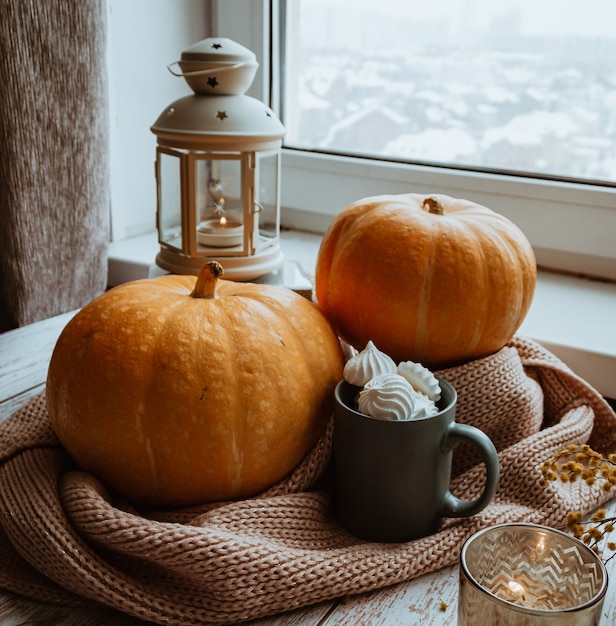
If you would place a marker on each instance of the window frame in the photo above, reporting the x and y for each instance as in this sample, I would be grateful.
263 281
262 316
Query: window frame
572 226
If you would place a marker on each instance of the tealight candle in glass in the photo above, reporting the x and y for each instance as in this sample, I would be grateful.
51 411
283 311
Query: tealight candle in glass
531 575
220 232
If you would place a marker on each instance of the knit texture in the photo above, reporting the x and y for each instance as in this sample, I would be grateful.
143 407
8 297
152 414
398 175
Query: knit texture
65 539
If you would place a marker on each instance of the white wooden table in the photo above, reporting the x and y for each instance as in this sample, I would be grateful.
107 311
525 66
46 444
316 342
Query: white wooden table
24 358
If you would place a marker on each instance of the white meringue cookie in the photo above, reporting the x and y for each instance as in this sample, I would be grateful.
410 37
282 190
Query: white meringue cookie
367 364
423 407
421 378
387 397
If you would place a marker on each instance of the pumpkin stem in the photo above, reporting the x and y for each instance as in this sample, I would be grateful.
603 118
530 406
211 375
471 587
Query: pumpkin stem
205 287
433 206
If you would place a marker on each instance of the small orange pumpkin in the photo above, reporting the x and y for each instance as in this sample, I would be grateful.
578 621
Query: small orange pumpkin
435 280
176 392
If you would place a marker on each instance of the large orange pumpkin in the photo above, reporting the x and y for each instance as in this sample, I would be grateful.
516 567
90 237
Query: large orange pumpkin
177 392
431 279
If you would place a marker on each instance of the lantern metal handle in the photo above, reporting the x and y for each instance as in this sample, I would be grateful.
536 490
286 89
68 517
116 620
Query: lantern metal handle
212 70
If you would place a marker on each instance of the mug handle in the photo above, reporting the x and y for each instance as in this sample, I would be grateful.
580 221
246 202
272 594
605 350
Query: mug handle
456 507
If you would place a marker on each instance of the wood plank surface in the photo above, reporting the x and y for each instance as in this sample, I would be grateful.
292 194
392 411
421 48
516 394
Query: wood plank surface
430 600
25 354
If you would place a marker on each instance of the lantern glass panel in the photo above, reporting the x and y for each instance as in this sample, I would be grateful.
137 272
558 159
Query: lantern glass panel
219 205
267 197
169 199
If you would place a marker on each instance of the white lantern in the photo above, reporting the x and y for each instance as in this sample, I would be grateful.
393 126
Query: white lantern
218 168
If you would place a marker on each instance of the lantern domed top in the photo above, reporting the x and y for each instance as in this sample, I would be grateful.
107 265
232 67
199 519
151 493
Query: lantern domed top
218 116
226 122
217 66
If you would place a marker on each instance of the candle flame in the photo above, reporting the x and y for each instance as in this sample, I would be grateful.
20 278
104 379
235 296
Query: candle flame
223 221
516 588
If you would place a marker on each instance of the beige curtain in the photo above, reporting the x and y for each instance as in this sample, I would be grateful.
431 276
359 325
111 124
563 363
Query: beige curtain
54 171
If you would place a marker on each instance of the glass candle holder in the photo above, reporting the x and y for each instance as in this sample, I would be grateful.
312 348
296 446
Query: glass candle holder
525 574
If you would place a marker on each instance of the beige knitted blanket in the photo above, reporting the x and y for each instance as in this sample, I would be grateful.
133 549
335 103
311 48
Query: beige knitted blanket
64 538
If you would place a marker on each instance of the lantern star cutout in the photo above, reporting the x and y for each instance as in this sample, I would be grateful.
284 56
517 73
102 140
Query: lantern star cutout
216 46
221 115
212 82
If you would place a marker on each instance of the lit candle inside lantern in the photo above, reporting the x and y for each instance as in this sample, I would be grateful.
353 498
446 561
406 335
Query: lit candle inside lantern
220 233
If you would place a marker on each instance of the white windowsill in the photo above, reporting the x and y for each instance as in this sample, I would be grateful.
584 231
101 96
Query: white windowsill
573 317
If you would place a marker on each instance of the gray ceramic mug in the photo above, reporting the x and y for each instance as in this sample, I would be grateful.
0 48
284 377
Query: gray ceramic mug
391 480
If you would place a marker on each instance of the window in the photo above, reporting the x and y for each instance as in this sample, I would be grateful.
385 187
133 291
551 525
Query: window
570 224
480 85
